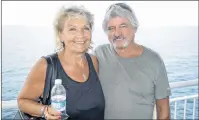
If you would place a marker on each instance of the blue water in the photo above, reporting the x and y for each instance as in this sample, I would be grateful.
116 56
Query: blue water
178 46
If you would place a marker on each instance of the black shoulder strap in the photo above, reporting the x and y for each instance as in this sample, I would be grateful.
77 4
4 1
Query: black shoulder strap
50 77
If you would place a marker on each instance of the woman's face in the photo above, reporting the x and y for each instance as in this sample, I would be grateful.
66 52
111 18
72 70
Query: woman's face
76 34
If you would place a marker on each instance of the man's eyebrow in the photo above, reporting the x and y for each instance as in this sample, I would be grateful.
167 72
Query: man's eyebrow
120 24
124 24
111 26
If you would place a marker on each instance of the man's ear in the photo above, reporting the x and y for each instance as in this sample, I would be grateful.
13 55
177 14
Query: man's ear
134 30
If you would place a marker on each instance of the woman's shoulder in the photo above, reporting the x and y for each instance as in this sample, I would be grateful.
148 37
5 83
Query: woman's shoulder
93 57
95 61
42 62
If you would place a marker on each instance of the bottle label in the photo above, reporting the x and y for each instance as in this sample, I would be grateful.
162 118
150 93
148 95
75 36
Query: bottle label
59 103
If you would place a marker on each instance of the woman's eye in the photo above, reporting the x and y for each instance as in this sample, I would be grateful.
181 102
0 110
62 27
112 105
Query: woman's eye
86 28
72 29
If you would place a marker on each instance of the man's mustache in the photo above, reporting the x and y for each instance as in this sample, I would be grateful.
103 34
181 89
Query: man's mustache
118 37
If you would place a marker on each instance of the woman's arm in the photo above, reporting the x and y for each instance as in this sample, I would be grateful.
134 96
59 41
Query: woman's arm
33 89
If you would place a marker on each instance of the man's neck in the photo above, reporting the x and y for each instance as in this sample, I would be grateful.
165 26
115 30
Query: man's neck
133 50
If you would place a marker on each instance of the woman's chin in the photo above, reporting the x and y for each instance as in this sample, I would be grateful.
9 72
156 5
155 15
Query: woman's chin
80 50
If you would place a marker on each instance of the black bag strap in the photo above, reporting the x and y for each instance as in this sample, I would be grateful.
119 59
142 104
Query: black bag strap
51 74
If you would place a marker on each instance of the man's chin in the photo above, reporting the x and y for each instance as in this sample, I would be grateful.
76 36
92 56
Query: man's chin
120 46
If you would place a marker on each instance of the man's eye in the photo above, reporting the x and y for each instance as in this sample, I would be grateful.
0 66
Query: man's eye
110 28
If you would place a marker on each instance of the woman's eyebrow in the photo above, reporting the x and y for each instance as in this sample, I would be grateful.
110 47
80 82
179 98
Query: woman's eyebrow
82 26
71 25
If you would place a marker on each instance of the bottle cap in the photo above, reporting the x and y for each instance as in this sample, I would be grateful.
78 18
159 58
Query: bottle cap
58 82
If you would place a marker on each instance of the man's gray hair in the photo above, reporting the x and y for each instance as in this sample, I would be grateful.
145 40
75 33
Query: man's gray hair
120 10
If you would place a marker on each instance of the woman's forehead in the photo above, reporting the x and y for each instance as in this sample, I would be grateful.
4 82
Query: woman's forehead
76 21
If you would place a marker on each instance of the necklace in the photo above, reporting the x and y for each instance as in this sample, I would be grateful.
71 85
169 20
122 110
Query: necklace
83 75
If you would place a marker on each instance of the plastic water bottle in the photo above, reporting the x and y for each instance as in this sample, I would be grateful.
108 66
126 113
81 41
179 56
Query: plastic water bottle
58 98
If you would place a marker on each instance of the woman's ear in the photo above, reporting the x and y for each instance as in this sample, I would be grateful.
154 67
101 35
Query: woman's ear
61 36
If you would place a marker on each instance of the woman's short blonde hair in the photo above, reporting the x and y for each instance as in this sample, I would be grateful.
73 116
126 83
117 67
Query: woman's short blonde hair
67 12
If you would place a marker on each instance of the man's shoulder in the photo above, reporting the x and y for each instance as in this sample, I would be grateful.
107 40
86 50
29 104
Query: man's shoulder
102 47
103 52
152 55
151 52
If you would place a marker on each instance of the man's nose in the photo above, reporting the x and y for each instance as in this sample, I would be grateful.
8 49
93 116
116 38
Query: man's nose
117 32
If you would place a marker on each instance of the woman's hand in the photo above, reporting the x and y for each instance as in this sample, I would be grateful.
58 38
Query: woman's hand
52 114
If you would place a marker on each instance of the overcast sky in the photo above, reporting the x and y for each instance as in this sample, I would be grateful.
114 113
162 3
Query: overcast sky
149 13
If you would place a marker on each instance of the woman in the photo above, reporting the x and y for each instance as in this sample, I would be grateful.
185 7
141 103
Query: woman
77 69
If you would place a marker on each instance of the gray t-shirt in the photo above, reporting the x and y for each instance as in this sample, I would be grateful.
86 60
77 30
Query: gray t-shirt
131 85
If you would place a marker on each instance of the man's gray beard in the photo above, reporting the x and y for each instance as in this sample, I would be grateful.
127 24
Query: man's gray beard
125 45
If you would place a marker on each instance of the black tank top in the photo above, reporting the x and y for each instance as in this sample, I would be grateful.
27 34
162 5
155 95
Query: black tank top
85 100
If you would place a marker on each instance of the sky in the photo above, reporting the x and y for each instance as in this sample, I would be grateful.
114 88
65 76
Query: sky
149 13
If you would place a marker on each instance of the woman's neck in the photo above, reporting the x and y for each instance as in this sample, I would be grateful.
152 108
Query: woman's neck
72 58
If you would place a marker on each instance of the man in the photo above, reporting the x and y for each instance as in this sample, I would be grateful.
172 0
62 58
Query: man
133 77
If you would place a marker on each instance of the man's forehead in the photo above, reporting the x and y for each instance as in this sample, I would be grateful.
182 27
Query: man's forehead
118 20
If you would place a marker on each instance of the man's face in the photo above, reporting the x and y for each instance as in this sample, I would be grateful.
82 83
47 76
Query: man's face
120 32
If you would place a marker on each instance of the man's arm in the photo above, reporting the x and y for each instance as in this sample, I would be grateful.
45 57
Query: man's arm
162 93
163 109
